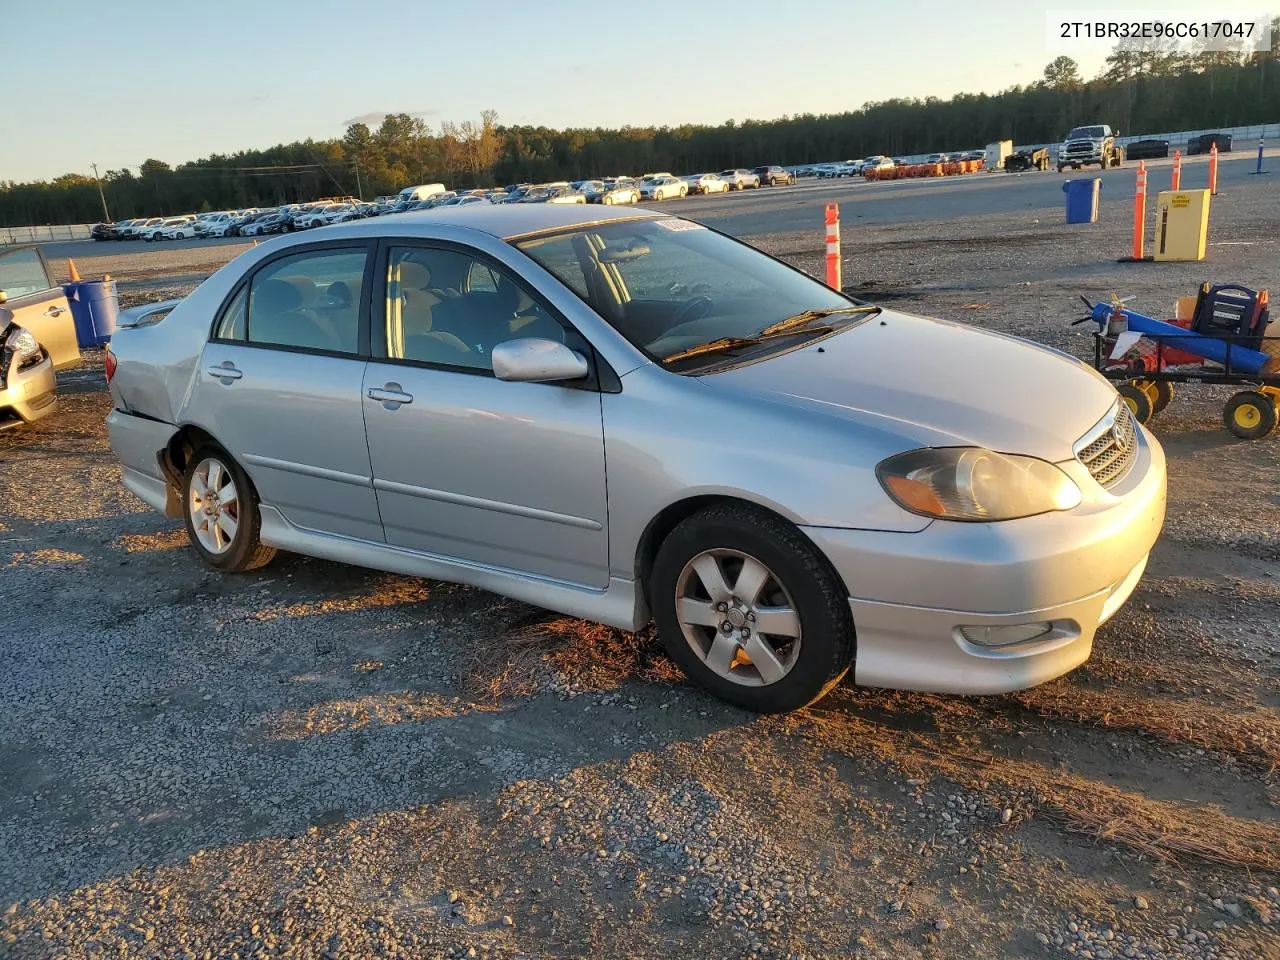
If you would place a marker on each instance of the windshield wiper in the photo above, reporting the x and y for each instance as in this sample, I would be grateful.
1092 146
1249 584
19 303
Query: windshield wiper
782 328
808 316
733 343
714 346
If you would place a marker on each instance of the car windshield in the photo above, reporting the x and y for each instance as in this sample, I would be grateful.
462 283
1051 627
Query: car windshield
1090 132
671 286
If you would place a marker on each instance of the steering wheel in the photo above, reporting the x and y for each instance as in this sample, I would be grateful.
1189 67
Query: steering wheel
695 308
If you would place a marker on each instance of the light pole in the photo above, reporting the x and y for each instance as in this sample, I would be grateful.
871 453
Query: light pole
106 217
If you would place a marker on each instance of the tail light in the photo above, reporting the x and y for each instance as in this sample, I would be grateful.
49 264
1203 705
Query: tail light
109 364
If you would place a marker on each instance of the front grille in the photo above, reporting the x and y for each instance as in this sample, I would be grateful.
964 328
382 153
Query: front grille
1110 448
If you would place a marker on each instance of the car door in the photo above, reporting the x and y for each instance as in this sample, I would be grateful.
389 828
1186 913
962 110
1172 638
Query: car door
279 386
466 466
39 304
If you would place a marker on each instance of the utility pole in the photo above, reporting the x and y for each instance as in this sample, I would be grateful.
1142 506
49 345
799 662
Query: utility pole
106 217
359 188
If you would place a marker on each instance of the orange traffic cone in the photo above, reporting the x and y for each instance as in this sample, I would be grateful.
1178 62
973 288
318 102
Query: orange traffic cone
72 271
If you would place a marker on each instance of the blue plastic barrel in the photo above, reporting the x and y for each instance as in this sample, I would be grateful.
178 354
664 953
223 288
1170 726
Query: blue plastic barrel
94 309
1082 200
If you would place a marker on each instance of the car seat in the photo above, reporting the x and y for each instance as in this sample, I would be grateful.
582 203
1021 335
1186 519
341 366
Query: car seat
525 318
277 315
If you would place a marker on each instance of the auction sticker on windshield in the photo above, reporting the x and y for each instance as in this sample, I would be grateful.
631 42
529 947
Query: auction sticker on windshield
676 226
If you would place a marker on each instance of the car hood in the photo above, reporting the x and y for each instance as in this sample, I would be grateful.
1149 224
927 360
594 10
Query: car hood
937 383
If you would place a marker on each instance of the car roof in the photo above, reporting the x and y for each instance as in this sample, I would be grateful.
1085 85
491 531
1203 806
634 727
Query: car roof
504 221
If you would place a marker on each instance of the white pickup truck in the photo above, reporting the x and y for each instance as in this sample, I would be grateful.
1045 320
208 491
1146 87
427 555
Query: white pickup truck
1091 144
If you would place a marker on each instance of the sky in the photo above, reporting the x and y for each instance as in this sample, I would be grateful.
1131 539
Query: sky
116 83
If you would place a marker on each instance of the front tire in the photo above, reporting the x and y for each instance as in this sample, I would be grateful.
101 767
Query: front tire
220 510
749 609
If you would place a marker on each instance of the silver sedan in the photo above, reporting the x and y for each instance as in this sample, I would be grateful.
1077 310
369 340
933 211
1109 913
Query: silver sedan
623 416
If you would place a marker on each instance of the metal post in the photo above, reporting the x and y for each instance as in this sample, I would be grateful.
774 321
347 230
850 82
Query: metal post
1213 169
833 246
1261 141
1175 184
106 217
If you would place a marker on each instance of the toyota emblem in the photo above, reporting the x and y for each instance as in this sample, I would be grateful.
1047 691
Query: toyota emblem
1120 437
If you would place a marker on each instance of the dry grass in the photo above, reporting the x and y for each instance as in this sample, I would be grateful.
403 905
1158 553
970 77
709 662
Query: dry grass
387 592
174 539
528 658
355 713
1252 736
1169 831
45 557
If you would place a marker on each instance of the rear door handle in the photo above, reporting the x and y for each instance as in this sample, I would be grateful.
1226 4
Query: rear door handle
226 372
54 311
390 395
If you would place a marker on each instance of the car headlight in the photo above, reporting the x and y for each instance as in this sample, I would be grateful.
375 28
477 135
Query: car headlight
22 346
972 484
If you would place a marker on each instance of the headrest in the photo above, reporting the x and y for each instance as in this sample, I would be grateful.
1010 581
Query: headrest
276 296
340 293
306 288
414 275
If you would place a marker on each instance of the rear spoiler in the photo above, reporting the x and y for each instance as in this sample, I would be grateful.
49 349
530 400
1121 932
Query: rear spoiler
146 314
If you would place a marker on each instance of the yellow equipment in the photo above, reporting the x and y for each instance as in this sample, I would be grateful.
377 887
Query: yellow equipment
1182 224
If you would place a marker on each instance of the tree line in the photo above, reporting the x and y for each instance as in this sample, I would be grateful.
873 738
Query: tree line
1148 88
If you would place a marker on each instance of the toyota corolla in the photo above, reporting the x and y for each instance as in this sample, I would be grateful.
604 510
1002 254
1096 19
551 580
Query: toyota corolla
626 416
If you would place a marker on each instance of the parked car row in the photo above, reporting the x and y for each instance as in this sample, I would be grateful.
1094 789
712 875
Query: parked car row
877 162
254 221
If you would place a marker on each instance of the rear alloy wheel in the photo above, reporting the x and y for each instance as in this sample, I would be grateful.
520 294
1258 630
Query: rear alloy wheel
221 513
749 609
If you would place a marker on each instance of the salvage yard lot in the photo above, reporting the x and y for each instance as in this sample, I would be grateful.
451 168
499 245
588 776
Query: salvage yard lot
317 760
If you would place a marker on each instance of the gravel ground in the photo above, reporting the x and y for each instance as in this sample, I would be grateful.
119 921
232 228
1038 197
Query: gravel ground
319 761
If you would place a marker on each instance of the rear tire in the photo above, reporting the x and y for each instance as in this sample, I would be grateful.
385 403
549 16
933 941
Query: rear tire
1250 415
792 589
220 511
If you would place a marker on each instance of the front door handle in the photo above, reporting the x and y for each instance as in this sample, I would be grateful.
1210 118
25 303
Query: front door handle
54 311
390 395
226 372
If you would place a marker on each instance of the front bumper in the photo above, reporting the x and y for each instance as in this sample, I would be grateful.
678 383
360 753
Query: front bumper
27 395
913 591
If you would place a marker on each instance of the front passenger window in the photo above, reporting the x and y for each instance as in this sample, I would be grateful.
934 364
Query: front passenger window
446 307
310 301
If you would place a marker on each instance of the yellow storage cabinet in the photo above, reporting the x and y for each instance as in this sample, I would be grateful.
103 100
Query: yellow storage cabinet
1182 224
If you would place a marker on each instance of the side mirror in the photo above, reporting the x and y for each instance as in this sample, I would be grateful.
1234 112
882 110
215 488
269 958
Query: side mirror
534 360
3 297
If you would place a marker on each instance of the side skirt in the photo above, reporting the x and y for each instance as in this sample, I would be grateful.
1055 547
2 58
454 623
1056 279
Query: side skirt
620 604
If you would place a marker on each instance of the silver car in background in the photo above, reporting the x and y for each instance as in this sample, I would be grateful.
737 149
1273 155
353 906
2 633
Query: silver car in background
622 416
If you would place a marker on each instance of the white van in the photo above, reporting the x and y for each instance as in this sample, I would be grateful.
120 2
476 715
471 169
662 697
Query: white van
421 192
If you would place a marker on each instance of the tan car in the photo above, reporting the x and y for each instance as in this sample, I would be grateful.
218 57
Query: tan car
37 336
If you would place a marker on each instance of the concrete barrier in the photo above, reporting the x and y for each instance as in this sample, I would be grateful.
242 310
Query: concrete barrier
46 234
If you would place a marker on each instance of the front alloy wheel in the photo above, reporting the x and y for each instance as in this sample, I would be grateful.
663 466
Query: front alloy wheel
738 618
749 608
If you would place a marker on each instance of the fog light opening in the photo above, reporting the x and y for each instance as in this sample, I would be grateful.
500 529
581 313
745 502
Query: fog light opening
1005 636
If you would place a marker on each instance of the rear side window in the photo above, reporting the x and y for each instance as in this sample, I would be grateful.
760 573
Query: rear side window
309 301
22 272
231 325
